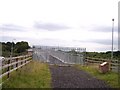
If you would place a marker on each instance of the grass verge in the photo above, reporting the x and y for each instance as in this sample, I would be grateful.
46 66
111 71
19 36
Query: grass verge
111 78
33 75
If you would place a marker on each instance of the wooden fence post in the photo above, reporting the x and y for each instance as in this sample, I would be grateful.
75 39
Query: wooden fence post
110 61
25 60
22 62
8 69
16 63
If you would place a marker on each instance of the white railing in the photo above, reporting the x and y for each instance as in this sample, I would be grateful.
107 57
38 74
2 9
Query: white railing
43 55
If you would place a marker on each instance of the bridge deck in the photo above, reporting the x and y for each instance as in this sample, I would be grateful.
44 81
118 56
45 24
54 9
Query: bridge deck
55 61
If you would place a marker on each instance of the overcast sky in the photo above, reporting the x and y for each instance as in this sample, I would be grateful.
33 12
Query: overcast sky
72 23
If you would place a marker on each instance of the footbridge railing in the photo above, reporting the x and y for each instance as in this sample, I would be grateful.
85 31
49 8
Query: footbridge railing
43 55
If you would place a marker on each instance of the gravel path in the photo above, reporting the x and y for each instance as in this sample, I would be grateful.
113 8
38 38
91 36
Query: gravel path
70 77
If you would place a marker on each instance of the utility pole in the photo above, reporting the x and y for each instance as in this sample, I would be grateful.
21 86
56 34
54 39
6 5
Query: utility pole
112 38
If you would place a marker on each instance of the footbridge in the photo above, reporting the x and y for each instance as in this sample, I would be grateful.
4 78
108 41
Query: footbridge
58 55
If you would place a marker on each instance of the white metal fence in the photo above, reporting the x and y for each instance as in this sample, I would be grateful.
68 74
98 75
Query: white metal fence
43 55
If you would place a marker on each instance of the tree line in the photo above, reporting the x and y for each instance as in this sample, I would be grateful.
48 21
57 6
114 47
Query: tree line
104 55
17 49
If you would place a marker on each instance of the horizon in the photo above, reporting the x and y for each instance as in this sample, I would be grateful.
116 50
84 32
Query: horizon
63 47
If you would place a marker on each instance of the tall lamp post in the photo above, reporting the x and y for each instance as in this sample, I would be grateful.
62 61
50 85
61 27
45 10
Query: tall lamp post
112 38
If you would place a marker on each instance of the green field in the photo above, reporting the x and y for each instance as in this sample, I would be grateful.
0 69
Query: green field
33 75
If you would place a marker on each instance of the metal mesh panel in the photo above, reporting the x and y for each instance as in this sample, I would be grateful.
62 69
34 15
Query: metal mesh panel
42 54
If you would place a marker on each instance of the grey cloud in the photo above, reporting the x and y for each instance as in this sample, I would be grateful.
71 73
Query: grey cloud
6 38
50 26
9 38
99 41
11 27
15 39
104 29
105 42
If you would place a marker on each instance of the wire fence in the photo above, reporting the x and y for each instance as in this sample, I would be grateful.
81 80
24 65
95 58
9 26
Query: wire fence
63 54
